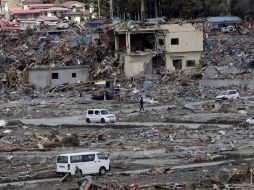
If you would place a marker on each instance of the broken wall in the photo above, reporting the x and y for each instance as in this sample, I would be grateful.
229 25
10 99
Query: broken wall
185 58
190 37
183 42
135 63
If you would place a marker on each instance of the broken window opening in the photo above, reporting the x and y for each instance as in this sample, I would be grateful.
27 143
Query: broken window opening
158 61
161 42
190 63
156 65
54 75
142 42
177 63
74 75
122 42
174 41
107 84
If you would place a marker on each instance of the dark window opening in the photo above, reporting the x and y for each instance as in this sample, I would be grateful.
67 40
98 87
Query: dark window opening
122 42
177 64
232 92
88 158
175 41
82 158
74 75
54 75
62 159
107 84
90 112
75 159
190 63
156 65
142 42
161 42
102 156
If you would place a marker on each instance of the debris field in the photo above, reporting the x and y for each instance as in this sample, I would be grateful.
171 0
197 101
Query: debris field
183 140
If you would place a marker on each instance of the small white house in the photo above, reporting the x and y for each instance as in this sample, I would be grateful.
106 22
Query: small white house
43 77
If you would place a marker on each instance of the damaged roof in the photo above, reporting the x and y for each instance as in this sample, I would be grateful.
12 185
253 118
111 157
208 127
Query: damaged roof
70 4
224 19
21 11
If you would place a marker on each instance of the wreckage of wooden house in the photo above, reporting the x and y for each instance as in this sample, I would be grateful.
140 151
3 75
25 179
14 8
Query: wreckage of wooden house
163 47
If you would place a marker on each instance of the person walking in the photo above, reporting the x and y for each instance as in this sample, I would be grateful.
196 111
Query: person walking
141 102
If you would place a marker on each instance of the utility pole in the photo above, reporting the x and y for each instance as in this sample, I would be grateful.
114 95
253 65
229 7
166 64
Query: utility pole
99 9
111 11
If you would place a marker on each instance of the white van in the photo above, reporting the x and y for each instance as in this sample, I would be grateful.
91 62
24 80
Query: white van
100 115
83 163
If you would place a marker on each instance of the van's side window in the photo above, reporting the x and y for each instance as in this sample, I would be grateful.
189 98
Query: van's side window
102 156
75 159
88 158
97 112
90 112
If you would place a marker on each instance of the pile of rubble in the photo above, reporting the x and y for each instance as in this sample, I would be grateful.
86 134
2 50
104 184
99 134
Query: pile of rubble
225 50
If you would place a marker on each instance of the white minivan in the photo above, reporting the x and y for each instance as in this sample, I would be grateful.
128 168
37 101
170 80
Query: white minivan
83 163
100 115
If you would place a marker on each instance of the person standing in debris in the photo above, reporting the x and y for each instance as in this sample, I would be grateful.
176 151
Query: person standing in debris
141 102
104 95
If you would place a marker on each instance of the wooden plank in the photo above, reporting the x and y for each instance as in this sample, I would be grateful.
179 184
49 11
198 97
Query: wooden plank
88 185
64 177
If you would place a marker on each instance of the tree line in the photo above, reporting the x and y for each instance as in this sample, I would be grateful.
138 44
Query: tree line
131 9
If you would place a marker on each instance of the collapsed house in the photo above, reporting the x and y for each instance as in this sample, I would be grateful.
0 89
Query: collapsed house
164 47
109 52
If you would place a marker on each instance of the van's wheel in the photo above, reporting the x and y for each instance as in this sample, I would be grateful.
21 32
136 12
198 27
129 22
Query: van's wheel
103 120
78 172
102 171
88 120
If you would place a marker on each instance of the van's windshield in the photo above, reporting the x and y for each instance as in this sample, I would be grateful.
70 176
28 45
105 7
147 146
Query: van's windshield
62 159
104 112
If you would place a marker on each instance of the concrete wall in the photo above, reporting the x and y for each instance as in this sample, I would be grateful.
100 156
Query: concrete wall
42 78
190 37
135 64
227 83
74 18
184 57
190 47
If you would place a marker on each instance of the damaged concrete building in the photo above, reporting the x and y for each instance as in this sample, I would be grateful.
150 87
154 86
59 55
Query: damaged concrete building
43 77
169 46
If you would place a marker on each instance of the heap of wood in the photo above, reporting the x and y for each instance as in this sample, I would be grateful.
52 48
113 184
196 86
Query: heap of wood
182 76
45 141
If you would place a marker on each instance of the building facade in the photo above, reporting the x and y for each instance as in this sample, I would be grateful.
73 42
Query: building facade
44 77
167 46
